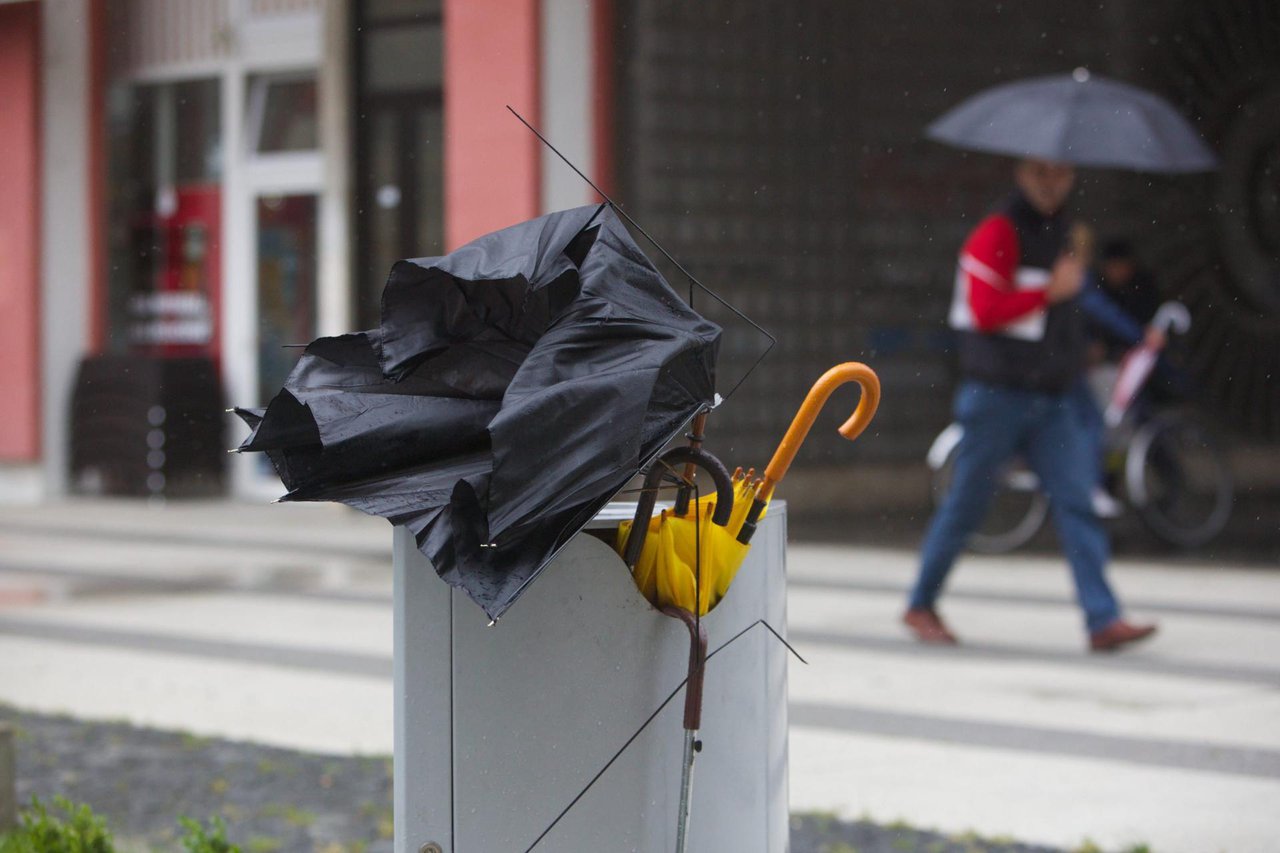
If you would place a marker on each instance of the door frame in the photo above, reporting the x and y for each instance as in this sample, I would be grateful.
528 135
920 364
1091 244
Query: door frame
249 177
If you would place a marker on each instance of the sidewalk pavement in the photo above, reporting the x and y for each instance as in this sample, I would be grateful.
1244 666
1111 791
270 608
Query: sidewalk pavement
273 624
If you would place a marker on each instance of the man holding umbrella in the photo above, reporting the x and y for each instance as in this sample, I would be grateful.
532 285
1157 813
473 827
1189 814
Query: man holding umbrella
1022 337
1022 343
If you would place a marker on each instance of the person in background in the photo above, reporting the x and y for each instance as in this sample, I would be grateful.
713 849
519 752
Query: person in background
1128 286
1022 349
1119 299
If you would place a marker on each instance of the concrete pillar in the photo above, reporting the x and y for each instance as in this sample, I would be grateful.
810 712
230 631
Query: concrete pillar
576 94
336 315
566 90
66 291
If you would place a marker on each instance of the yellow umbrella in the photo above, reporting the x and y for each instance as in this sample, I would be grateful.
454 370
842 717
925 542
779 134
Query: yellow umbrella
681 554
676 559
679 550
684 559
687 557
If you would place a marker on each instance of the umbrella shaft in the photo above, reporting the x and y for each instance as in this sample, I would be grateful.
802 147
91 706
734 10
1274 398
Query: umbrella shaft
686 788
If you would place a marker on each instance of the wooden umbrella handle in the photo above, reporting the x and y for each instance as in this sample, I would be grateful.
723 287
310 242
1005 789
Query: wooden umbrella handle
649 495
850 371
817 397
697 665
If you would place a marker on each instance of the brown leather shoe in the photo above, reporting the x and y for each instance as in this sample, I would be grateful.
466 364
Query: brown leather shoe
1119 634
928 627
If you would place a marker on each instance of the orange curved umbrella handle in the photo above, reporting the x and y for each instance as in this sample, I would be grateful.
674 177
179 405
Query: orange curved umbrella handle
850 371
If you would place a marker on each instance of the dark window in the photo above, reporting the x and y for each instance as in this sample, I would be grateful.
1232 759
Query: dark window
399 116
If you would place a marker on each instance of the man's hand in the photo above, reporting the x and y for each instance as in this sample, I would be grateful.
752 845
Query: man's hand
1154 338
1066 279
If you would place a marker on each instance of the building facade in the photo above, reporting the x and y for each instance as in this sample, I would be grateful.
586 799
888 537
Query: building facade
226 179
220 181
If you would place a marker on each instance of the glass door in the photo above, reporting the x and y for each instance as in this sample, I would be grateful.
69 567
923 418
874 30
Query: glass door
286 276
276 211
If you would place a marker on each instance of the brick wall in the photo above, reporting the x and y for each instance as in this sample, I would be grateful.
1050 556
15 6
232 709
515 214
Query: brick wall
776 150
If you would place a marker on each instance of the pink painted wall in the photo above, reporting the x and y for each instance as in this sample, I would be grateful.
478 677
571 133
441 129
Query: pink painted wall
491 161
20 231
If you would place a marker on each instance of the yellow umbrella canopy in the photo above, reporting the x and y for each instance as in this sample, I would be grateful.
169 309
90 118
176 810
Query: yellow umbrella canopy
687 560
678 553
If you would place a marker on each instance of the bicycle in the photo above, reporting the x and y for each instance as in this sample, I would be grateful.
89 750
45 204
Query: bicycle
1173 473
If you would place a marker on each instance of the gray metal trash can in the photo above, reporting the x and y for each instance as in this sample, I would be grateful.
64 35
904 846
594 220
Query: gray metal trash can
498 728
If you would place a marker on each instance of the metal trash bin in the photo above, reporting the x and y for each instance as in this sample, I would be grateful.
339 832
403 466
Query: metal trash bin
498 728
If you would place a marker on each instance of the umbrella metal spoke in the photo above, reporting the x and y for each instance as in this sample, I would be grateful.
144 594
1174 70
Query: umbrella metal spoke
688 275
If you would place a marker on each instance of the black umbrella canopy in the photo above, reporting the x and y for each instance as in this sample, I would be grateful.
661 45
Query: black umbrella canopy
1078 118
512 388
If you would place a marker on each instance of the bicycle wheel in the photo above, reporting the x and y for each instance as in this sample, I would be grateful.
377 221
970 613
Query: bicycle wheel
1178 481
1018 508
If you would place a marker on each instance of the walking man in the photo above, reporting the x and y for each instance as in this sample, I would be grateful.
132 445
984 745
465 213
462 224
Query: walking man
1022 351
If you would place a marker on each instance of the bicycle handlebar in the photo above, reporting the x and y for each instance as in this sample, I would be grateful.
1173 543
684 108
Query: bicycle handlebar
1172 316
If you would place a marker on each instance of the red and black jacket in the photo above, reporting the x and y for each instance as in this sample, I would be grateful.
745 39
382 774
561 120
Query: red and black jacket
1009 334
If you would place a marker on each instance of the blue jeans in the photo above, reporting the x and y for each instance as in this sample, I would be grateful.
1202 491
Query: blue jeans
999 423
1089 417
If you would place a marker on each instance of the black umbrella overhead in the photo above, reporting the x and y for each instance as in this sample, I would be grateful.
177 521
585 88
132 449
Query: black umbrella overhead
512 388
1078 118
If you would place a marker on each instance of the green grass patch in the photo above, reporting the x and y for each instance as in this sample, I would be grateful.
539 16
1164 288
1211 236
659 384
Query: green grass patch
67 828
